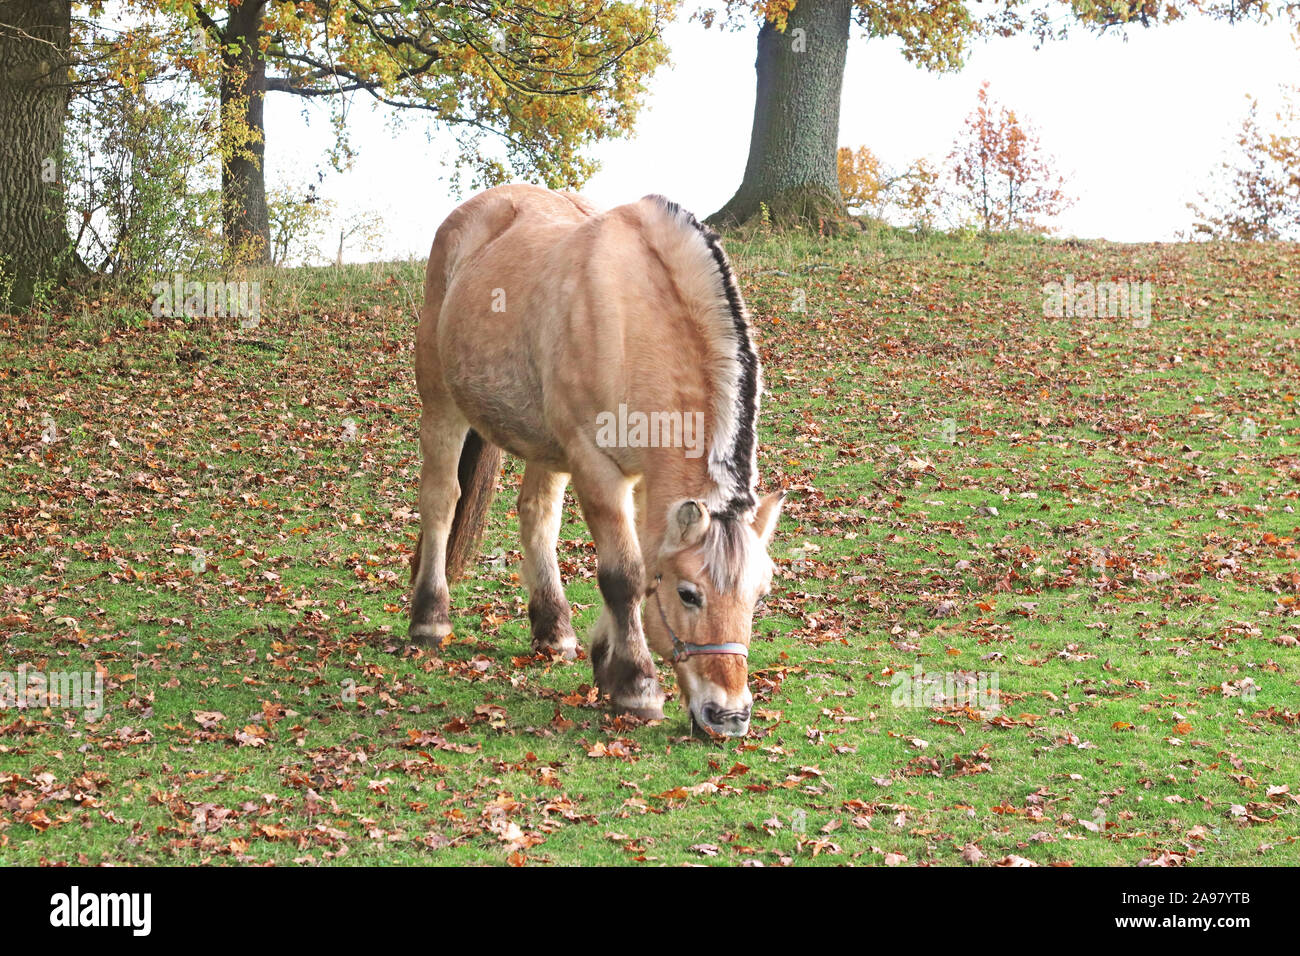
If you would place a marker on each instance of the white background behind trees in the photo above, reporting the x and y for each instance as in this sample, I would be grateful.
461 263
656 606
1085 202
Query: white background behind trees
1139 125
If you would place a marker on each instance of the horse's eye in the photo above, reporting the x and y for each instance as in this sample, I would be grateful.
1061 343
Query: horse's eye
690 597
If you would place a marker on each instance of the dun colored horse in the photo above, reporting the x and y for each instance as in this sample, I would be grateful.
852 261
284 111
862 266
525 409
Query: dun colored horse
613 349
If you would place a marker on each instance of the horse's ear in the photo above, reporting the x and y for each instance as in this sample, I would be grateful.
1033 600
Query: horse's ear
687 522
769 511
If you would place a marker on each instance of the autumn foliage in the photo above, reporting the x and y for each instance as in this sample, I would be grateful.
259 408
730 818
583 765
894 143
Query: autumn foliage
1002 173
861 181
522 91
913 194
997 176
1256 193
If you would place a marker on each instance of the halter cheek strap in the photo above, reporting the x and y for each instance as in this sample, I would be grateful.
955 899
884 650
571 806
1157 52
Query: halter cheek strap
684 649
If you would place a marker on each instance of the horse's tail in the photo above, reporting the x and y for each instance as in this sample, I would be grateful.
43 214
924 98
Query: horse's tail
480 463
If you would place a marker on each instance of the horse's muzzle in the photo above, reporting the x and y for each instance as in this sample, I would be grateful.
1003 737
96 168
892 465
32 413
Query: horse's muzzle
730 723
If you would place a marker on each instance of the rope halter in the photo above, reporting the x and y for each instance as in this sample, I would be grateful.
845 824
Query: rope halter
684 649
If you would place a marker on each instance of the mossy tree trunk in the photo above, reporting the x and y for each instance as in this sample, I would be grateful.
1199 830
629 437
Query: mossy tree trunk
245 218
34 89
792 147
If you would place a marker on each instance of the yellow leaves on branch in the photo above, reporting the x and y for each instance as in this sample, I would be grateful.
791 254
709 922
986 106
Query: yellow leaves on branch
545 79
868 186
776 12
861 184
933 34
936 34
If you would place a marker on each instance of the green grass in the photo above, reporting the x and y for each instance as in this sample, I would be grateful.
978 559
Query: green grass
1102 515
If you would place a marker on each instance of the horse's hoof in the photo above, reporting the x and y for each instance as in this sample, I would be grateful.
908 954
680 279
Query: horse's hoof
429 636
642 697
561 648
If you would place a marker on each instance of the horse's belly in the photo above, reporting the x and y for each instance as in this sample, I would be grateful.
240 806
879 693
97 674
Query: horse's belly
497 389
510 420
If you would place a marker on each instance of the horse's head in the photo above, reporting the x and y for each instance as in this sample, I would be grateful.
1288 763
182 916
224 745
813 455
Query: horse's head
710 573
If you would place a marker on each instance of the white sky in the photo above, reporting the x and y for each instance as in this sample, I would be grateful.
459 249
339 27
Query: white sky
1138 126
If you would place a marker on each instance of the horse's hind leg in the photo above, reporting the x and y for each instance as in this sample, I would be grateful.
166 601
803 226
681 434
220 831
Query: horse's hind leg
541 500
442 435
620 658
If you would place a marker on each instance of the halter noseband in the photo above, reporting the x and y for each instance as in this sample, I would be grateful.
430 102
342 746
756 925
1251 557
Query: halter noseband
684 649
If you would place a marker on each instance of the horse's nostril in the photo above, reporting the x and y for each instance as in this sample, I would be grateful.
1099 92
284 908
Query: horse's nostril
716 716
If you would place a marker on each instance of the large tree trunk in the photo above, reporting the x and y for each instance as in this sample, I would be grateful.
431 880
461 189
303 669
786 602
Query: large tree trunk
34 42
245 221
791 168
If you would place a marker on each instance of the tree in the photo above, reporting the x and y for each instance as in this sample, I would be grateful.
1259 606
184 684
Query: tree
864 183
802 46
1002 171
922 197
791 166
139 184
912 194
1257 193
543 82
35 38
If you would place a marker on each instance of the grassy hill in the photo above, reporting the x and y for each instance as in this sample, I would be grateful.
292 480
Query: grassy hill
1101 512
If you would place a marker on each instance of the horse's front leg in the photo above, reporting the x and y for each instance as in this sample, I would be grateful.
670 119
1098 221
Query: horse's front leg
620 658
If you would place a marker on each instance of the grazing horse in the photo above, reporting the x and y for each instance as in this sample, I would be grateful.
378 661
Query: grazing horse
588 344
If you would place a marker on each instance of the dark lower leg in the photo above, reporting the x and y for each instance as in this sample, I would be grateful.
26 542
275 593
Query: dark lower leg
620 659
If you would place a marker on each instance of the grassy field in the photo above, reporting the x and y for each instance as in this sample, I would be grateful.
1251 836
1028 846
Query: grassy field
1099 512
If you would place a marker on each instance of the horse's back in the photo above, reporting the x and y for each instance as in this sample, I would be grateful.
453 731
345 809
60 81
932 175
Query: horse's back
471 230
477 223
533 302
